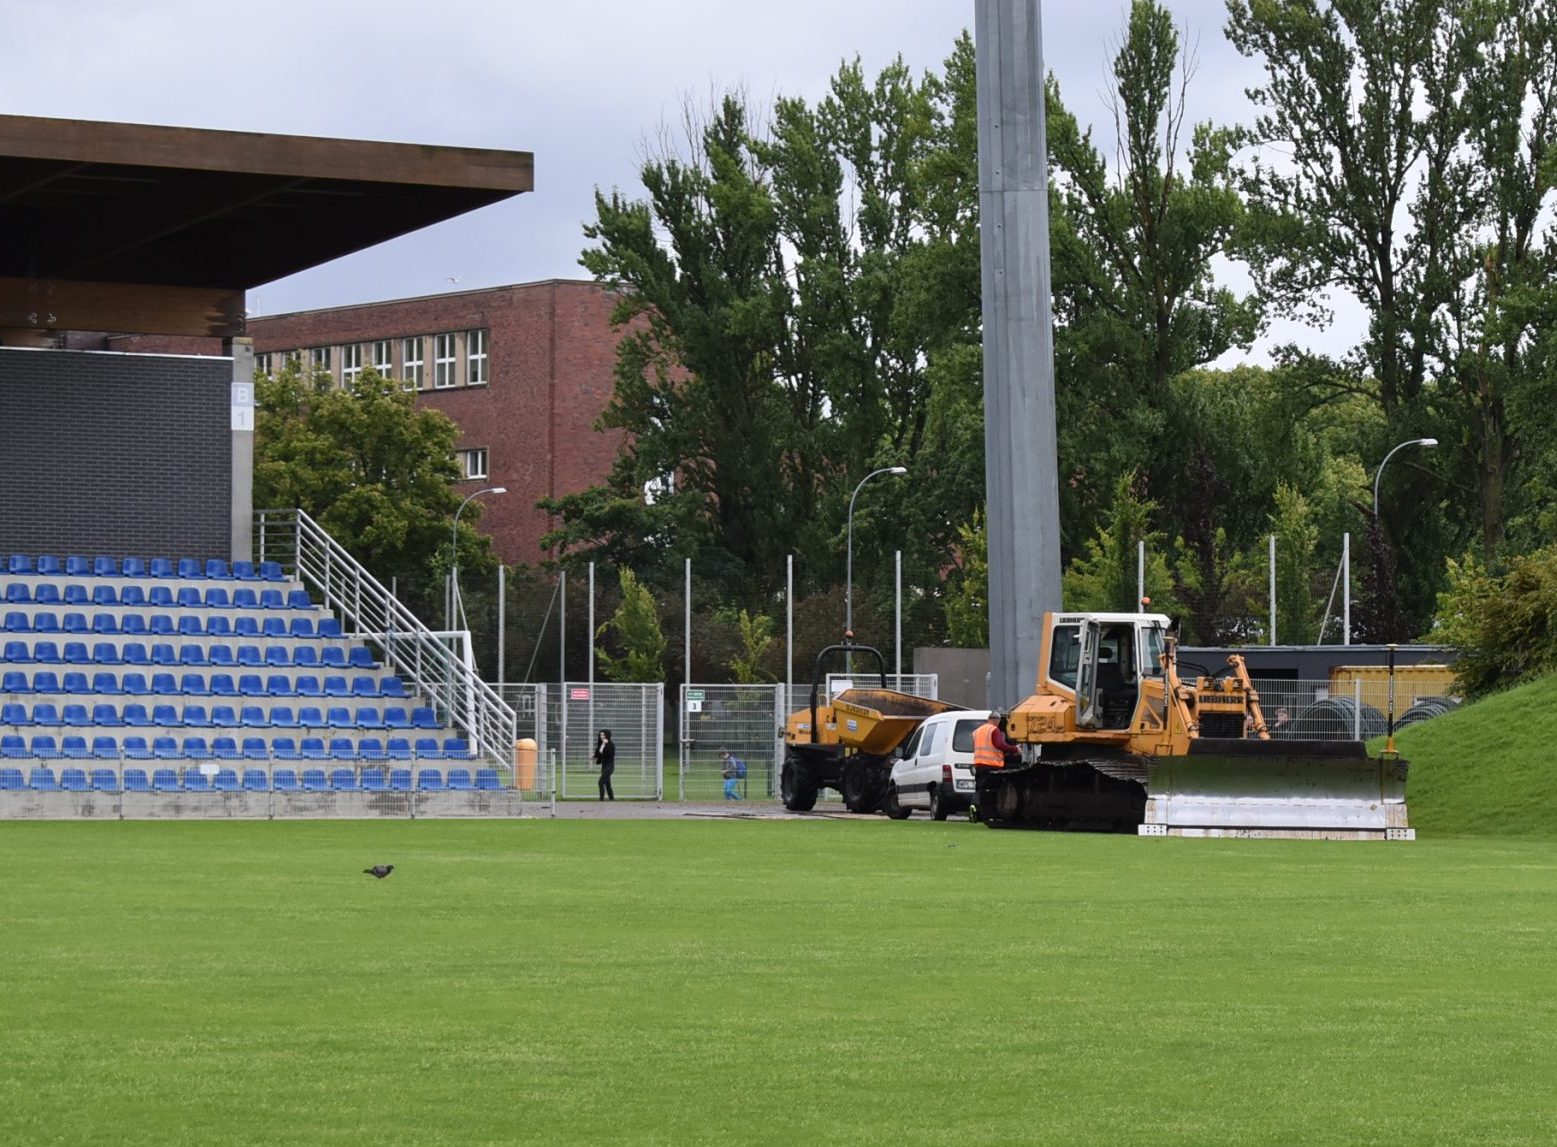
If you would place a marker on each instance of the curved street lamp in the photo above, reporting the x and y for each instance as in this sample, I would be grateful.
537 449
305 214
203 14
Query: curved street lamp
848 584
454 551
1380 475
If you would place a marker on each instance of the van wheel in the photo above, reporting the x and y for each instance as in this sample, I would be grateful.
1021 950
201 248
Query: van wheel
895 809
938 809
796 787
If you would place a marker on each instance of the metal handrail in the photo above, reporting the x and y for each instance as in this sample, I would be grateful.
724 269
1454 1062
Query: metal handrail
425 658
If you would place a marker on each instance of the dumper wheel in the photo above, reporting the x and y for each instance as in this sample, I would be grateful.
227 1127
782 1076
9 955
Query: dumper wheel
938 809
895 808
796 786
862 787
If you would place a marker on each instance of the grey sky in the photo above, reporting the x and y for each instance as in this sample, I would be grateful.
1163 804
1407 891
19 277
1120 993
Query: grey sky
583 85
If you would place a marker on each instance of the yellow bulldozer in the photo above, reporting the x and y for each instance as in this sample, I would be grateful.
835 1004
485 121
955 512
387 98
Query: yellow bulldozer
1113 739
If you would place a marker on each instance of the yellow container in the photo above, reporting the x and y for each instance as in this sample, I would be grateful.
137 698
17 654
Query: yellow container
1412 683
525 755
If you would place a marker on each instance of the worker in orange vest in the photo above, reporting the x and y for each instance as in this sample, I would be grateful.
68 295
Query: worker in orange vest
991 751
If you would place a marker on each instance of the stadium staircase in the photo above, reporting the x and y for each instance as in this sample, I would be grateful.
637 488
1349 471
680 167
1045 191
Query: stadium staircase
295 673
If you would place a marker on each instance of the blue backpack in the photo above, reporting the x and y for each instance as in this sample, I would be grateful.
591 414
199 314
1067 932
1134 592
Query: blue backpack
740 768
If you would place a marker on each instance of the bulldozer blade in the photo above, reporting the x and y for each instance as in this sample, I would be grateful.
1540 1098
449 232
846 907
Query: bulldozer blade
1305 789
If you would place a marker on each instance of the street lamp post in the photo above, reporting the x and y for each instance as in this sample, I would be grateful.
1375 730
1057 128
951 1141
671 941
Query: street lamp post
1380 475
848 584
454 552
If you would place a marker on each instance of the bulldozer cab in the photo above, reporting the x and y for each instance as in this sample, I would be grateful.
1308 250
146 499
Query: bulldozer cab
1106 656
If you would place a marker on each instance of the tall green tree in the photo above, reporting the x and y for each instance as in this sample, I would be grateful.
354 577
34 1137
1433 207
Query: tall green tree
634 633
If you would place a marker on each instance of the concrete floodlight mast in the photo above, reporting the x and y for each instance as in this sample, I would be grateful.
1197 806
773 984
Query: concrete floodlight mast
1022 519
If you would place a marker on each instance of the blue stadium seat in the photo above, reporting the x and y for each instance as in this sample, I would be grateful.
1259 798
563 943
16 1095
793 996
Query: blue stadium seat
373 781
299 599
250 685
216 598
314 780
339 717
106 653
424 718
45 681
276 657
307 685
133 567
135 781
217 568
190 568
134 684
190 627
132 595
43 779
427 747
368 717
19 564
223 716
364 687
286 781
106 681
362 658
398 749
255 781
486 780
312 749
274 629
224 748
76 681
11 778
47 653
305 655
302 628
191 655
74 747
222 655
459 780
106 716
163 685
103 566
255 749
188 597
45 621
105 781
104 595
245 598
73 780
163 653
332 657
135 653
17 622
17 593
49 564
310 716
253 717
269 571
244 571
77 566
164 748
225 781
74 713
14 713
400 780
282 717
250 656
14 681
76 653
133 624
105 623
77 595
341 749
218 626
48 595
222 686
135 749
161 625
371 749
160 597
165 716
246 626
344 780
392 687
456 749
195 749
395 718
284 749
336 687
195 781
195 717
134 715
330 627
429 780
17 653
194 685
75 623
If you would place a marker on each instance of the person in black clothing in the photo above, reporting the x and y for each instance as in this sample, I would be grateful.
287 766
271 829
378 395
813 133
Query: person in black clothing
605 757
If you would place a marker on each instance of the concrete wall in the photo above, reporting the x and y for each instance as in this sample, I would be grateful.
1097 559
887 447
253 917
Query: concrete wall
115 454
27 805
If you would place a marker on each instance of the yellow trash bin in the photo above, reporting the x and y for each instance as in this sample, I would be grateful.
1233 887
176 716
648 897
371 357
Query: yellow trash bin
524 763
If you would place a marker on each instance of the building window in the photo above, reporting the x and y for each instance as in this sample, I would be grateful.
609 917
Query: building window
473 463
412 363
443 361
476 358
294 359
351 363
319 359
384 358
262 364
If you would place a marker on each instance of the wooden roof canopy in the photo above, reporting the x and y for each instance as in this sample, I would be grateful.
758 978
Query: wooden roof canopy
137 229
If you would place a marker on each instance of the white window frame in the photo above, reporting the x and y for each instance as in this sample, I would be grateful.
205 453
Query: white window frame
476 358
319 359
445 357
262 364
351 363
413 368
475 463
384 357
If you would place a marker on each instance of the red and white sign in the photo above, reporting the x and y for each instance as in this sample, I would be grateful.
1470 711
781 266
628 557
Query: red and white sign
579 693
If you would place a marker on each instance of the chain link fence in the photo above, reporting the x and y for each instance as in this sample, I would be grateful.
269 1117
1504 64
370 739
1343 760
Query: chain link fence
1320 709
575 712
745 721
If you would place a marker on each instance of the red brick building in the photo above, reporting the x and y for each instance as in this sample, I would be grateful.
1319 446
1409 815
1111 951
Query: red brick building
523 370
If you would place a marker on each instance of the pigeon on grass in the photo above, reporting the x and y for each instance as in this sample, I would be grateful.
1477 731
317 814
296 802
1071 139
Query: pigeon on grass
379 871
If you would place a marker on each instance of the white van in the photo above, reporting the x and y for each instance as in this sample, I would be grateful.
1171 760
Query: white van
935 773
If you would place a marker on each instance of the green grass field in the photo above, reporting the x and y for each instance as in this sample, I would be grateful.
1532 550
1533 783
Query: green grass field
818 982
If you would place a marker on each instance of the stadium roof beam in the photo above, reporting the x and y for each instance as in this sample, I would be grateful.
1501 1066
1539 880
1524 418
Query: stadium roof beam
133 228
